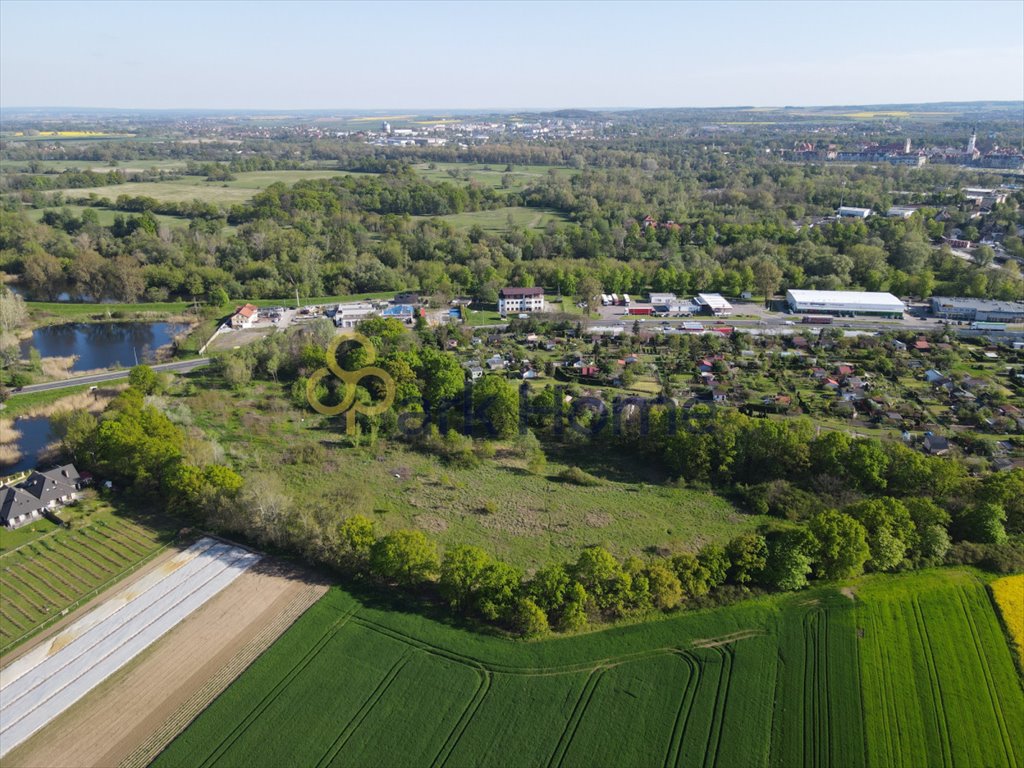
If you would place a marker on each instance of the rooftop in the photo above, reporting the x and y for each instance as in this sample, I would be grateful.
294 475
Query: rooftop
516 293
713 300
988 305
835 298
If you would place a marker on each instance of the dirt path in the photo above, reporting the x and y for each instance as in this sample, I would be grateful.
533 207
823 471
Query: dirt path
131 716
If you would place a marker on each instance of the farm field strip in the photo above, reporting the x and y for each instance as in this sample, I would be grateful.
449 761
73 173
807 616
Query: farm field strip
45 577
819 679
49 679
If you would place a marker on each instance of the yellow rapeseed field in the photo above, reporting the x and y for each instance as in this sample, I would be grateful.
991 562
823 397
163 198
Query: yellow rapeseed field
1009 594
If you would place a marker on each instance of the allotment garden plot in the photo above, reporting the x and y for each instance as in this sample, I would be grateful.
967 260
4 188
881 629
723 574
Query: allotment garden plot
796 680
41 580
44 682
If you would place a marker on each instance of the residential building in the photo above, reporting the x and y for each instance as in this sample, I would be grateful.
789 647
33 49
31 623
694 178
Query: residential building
520 300
245 316
40 493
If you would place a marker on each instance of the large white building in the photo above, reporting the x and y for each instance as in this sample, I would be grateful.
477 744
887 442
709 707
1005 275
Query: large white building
845 303
351 314
520 300
983 310
849 212
663 298
714 303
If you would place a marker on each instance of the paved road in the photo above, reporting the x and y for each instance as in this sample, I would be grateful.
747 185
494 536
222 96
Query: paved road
181 366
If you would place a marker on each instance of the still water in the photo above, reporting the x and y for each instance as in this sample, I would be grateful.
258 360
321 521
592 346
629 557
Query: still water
102 345
34 436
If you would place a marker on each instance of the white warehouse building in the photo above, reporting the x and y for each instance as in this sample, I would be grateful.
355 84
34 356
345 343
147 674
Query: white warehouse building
845 303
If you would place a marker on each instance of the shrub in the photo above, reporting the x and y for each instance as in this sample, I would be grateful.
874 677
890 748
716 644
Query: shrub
577 476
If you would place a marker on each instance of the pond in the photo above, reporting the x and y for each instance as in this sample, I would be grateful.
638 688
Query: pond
34 436
102 345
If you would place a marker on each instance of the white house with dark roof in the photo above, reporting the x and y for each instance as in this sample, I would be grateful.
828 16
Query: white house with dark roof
520 300
41 492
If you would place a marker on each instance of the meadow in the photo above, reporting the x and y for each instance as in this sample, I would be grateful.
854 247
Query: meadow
497 220
526 519
906 670
187 188
47 570
490 175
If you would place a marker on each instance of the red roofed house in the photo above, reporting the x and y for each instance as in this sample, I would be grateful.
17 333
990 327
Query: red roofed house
244 316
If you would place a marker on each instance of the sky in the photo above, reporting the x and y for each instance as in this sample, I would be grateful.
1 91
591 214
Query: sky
506 55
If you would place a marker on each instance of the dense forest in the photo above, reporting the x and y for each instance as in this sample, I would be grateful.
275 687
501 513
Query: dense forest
725 213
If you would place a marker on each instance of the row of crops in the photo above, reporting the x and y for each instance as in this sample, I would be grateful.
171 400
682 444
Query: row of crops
43 579
912 670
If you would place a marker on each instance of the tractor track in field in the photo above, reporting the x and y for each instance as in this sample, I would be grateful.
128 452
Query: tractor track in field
452 742
573 723
470 661
993 697
363 712
815 681
941 718
253 715
718 710
144 754
675 746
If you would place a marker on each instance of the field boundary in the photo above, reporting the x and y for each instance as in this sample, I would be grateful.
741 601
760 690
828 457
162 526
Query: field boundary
253 714
146 752
84 599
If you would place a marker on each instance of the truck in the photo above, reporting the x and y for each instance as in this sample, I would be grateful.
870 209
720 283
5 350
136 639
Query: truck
816 320
640 310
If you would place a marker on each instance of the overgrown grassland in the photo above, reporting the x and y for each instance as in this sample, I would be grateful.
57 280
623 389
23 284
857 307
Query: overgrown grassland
779 681
497 220
526 519
187 188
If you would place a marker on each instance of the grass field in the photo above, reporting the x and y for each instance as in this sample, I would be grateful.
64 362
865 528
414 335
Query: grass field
527 519
493 175
197 188
785 681
97 166
45 570
105 216
497 220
